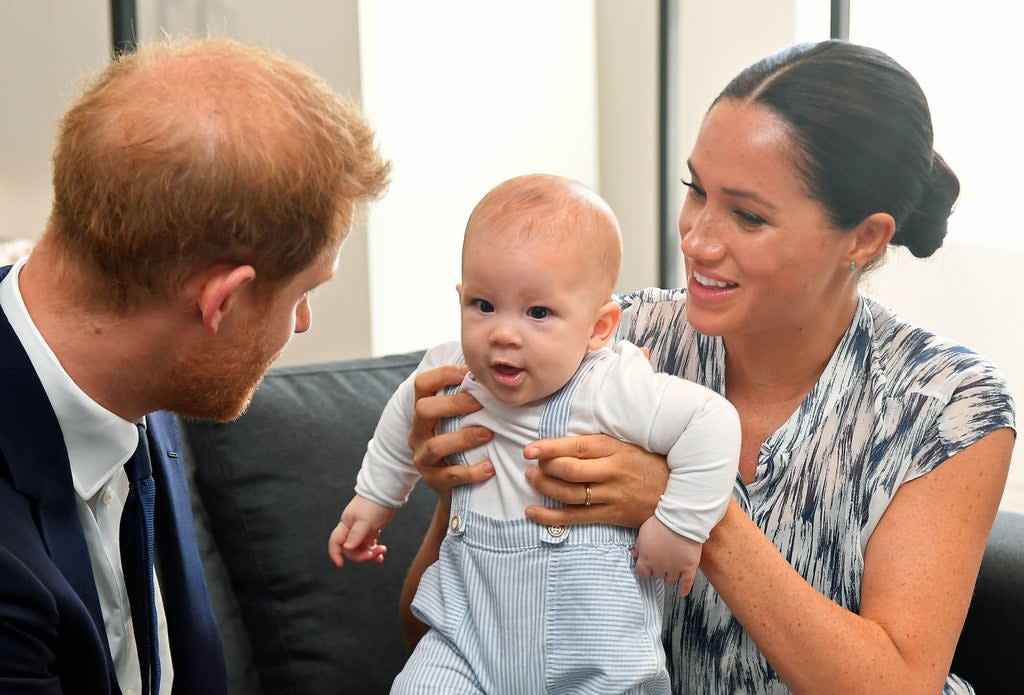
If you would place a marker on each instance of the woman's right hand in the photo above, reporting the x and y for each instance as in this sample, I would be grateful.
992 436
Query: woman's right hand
429 449
625 481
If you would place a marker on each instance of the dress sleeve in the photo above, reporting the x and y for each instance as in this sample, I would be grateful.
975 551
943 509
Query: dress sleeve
980 403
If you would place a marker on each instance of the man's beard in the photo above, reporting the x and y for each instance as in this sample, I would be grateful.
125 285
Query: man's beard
219 384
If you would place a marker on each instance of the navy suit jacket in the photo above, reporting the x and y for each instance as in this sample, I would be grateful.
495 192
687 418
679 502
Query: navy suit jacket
52 638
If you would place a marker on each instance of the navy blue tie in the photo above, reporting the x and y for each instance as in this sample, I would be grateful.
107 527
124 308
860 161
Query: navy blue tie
137 553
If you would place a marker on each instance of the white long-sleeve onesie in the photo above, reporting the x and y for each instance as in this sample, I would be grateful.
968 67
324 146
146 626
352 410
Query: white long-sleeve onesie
615 392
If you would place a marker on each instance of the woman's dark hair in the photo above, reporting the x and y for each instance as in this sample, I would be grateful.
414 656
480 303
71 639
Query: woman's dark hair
863 135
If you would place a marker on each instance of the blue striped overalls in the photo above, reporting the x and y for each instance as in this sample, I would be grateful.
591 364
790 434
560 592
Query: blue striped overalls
518 608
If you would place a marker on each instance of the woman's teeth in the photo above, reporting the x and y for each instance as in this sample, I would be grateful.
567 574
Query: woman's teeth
711 282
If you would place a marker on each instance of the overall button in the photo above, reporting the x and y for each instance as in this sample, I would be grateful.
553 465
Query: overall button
455 523
556 531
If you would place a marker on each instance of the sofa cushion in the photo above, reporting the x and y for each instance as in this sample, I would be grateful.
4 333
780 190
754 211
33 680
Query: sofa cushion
273 484
241 672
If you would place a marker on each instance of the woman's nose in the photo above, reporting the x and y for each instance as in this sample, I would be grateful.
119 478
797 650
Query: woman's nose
698 235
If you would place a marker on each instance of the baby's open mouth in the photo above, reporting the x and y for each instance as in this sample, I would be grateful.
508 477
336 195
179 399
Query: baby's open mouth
506 374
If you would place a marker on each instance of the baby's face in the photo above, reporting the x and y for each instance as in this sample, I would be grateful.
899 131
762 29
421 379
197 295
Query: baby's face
528 314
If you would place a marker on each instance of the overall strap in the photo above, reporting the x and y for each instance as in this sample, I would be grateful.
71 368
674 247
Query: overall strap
460 495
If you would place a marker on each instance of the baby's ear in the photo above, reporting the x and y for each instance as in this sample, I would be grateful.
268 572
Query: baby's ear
604 327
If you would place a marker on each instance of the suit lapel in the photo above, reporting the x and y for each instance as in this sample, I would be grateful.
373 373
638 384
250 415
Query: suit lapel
197 650
38 462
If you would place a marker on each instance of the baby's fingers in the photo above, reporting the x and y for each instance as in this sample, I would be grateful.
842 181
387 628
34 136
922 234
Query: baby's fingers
335 543
359 532
367 553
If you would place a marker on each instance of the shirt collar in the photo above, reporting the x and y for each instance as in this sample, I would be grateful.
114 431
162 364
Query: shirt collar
98 442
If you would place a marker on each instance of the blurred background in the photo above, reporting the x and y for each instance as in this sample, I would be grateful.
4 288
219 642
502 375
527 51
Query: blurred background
466 93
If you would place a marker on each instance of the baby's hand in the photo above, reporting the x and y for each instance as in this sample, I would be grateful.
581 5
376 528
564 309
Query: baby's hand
661 552
355 536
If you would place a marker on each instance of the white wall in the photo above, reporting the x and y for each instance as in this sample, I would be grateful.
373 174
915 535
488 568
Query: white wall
627 139
464 95
46 46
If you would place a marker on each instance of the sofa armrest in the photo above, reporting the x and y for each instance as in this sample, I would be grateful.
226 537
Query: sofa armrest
988 653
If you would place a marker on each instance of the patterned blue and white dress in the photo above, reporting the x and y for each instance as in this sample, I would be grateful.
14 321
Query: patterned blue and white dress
893 403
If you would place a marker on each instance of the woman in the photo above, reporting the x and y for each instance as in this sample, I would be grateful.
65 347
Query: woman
874 453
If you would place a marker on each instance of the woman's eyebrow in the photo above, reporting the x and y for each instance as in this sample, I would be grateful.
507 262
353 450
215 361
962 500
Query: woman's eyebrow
736 192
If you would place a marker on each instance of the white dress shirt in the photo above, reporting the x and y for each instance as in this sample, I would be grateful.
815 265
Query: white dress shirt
98 444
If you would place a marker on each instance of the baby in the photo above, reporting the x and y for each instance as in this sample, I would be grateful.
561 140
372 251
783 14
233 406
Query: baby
515 607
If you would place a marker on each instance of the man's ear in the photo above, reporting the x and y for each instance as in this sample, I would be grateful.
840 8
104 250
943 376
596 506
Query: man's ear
218 292
604 327
870 238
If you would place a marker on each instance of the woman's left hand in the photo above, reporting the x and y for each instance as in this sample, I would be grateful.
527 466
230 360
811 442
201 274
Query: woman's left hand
622 482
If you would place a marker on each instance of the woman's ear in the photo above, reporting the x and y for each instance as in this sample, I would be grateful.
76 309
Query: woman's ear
218 292
870 238
604 327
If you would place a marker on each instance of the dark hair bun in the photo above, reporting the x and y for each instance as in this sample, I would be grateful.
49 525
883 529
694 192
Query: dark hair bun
925 227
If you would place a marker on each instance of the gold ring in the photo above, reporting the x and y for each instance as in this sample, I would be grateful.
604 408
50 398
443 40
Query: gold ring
587 503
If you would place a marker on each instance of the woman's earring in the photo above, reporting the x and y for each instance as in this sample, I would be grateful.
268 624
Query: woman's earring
853 267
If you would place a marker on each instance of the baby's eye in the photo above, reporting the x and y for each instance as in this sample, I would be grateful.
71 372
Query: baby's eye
483 305
538 312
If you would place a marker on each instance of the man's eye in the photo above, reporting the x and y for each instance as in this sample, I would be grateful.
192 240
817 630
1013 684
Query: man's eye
483 305
538 312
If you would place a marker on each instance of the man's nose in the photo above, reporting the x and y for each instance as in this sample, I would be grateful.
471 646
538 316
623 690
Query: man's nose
303 317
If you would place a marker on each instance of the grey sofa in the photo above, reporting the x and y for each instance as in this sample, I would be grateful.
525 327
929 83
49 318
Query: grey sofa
268 489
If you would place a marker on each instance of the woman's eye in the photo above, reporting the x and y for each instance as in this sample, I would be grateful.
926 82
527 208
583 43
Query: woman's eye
538 312
483 305
750 218
694 188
